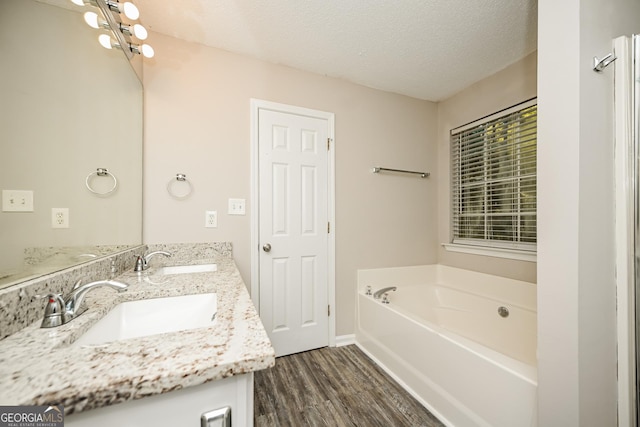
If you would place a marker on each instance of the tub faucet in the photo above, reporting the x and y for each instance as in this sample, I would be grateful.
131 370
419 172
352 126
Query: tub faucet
61 310
142 261
377 294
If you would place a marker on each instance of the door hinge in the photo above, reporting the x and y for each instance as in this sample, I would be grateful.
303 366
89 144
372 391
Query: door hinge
328 228
328 144
329 311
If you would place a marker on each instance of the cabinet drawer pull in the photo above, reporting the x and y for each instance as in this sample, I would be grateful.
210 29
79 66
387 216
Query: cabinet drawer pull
216 418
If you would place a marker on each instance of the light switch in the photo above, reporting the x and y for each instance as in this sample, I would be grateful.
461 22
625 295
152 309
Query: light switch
17 201
236 206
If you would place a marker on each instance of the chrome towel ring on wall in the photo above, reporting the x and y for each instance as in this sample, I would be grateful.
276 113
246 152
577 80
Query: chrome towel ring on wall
97 173
180 178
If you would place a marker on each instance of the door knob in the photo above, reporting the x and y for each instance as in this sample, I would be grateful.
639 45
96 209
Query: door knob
266 247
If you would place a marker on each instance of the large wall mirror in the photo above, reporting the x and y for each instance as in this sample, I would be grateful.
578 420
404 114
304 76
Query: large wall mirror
67 108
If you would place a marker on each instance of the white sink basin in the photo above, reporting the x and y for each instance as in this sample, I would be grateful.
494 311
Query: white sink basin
186 269
150 317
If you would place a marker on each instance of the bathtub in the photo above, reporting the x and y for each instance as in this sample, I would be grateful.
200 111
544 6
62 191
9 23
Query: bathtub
442 338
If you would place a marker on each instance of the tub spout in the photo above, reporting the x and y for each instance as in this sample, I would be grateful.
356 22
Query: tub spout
377 294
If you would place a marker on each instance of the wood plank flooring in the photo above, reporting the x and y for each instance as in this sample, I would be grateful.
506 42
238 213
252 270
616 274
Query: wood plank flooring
333 387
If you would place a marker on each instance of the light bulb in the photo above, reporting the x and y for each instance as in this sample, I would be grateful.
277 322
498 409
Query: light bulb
91 18
140 32
105 40
147 51
131 11
136 30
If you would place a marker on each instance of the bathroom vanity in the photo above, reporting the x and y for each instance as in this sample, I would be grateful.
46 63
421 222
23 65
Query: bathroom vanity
167 378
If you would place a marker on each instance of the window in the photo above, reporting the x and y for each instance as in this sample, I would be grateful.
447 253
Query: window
493 172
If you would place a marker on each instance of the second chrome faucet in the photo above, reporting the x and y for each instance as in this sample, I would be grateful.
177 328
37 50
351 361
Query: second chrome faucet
142 261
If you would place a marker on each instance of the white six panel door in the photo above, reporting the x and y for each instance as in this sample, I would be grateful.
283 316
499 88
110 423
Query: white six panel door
293 225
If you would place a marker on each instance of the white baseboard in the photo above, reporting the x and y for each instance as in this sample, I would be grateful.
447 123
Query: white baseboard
343 340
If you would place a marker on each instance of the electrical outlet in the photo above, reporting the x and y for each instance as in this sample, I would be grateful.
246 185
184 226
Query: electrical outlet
211 219
17 201
59 217
236 207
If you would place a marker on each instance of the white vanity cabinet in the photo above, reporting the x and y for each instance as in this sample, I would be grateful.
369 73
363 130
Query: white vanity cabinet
179 408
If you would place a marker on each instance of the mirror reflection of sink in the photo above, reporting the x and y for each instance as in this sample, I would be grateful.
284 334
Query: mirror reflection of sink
187 269
142 318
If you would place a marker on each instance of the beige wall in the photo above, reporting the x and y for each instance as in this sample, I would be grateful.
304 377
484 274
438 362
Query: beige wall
197 103
508 87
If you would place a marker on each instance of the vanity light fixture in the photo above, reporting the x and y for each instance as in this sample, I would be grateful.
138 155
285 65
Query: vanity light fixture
108 43
112 22
136 30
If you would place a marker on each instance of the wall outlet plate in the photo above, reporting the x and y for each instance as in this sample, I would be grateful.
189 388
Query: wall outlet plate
211 219
59 217
17 201
236 206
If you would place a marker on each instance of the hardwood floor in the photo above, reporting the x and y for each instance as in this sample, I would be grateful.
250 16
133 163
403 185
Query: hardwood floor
333 387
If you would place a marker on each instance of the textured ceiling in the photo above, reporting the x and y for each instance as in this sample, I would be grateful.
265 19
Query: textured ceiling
427 49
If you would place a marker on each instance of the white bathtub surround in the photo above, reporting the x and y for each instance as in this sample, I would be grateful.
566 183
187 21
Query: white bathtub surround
443 338
38 367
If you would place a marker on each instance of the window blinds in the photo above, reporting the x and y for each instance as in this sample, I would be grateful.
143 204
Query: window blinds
493 174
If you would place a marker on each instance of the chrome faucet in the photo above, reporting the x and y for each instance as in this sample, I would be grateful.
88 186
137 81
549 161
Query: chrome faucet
377 294
142 261
61 310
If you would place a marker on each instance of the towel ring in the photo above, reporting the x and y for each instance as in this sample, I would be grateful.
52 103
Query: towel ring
179 178
101 172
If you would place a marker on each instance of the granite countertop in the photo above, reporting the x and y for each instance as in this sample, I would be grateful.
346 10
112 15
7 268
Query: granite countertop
39 367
